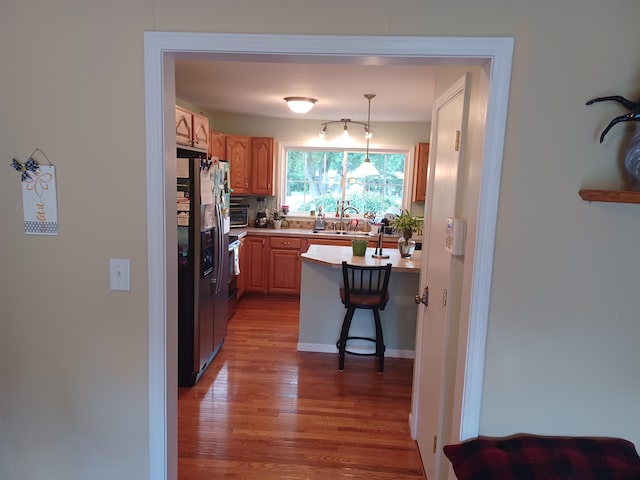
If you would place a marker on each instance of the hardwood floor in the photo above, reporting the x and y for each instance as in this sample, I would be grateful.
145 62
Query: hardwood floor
262 410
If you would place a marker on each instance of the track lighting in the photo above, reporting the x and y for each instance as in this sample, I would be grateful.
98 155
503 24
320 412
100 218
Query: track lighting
347 121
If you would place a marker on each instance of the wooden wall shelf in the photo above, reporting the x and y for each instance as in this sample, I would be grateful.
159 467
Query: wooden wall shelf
611 196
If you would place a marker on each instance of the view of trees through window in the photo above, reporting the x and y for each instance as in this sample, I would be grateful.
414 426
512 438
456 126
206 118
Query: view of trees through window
324 178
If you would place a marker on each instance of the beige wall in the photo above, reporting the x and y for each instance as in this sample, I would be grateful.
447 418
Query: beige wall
562 350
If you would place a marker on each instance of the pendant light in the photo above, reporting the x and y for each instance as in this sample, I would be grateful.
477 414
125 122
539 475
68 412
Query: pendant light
367 168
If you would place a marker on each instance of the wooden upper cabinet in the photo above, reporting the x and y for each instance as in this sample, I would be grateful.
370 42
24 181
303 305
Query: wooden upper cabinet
184 127
192 130
217 145
262 165
421 167
200 132
238 148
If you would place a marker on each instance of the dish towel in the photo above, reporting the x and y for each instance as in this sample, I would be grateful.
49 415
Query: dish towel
236 261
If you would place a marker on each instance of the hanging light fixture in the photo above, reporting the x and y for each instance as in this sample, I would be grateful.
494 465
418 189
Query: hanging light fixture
347 121
300 104
366 168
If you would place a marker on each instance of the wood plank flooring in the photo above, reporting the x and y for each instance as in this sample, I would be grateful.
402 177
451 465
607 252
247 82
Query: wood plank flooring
262 410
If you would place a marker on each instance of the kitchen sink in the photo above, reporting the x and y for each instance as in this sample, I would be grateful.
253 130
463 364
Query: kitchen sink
340 232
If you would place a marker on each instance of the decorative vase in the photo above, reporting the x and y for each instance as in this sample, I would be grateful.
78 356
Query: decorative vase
406 244
359 247
277 224
632 160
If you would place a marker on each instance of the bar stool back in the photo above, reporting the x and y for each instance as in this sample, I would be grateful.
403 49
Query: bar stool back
365 287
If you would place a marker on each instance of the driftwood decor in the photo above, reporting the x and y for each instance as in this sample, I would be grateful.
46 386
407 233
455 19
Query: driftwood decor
632 152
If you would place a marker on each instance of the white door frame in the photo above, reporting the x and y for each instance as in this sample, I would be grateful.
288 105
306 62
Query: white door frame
160 49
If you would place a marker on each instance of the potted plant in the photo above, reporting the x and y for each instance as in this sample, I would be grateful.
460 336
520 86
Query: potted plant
406 224
276 218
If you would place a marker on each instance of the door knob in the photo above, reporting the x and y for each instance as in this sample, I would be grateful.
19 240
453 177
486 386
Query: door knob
424 299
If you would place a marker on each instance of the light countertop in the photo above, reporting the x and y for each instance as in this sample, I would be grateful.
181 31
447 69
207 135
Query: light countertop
332 257
307 233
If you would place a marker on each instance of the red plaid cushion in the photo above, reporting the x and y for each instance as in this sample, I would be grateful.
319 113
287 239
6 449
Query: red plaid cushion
533 457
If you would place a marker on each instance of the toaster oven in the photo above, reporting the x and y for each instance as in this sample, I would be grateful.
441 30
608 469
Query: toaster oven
239 214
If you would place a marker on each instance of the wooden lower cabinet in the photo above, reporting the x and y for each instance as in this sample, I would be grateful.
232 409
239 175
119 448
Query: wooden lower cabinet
273 264
257 249
284 264
244 267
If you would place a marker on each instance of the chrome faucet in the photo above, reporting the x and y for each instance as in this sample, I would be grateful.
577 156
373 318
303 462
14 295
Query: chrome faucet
346 209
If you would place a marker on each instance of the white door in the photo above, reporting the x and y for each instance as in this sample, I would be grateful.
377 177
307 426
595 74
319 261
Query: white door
432 412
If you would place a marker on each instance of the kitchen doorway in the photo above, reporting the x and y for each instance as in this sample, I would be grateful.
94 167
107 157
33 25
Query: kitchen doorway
161 50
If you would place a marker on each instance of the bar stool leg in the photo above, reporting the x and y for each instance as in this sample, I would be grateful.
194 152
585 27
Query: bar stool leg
342 343
379 341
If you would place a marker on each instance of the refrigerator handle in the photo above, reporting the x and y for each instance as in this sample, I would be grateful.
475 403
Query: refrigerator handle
220 223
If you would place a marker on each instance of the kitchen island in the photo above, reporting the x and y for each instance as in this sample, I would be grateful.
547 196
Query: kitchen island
321 312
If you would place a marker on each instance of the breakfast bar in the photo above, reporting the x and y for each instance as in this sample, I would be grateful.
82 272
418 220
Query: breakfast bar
321 312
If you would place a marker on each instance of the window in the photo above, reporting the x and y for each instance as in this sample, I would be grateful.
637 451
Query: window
321 177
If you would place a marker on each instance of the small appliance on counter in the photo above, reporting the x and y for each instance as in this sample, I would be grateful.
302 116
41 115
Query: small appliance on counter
261 212
239 212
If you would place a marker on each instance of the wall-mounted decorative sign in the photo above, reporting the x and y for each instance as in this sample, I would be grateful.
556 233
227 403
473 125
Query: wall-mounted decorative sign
39 200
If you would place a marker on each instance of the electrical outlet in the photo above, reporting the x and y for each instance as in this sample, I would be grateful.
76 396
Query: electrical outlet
119 275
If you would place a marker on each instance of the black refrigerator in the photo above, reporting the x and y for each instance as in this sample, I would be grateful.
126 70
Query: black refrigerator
203 270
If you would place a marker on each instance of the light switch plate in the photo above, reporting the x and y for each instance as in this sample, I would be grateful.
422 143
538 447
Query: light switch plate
119 275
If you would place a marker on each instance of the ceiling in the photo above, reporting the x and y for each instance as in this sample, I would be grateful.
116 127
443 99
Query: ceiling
404 91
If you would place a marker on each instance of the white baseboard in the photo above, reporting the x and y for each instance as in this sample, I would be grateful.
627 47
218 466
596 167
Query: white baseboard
323 348
412 432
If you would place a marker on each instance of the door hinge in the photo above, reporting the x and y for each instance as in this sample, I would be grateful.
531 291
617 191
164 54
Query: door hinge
435 443
444 297
456 147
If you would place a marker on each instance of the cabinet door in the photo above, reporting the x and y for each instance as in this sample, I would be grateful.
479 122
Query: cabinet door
244 267
258 261
284 271
420 172
184 127
239 158
262 165
200 132
217 145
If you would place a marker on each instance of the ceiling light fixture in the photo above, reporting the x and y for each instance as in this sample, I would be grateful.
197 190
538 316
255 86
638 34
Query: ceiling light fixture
367 168
300 104
347 121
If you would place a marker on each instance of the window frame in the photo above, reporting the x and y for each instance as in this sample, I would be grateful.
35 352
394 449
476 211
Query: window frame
281 171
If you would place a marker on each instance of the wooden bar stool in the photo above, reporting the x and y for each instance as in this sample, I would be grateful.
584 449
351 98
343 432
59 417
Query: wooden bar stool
364 287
